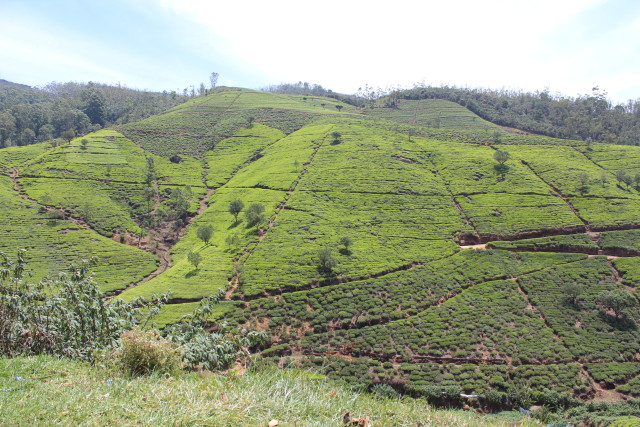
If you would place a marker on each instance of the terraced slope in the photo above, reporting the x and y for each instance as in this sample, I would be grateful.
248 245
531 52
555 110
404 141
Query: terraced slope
457 270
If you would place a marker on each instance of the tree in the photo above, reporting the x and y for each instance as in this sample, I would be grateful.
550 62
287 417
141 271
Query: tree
27 136
149 194
250 120
235 207
204 233
572 291
213 79
345 241
339 107
83 143
46 132
68 135
621 176
616 300
336 136
254 214
583 178
194 258
604 178
233 241
150 171
94 104
326 261
179 202
501 156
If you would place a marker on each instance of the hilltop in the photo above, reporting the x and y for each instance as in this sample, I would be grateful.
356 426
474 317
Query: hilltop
395 245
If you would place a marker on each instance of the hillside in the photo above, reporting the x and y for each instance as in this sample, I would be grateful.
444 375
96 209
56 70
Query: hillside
62 110
393 247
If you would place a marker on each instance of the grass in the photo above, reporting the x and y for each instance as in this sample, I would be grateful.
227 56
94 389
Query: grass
59 392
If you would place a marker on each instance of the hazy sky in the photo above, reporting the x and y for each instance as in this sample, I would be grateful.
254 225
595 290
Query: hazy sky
568 46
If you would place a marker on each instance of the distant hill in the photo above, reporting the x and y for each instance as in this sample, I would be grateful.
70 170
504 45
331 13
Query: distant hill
7 83
382 244
589 117
29 115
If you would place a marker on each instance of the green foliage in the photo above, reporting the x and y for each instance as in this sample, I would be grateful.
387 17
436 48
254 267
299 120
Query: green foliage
255 214
67 316
617 300
501 156
326 261
235 207
563 243
587 117
146 352
585 330
572 291
255 398
57 108
211 351
195 258
624 240
204 233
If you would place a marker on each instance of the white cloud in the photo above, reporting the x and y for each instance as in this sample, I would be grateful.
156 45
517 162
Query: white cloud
343 45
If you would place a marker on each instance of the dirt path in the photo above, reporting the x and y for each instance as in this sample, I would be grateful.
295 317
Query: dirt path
480 246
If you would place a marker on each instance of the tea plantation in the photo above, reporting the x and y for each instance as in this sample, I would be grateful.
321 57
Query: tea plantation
389 244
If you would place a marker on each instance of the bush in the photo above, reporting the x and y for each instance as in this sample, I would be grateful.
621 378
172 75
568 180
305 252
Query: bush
68 316
146 352
326 261
255 214
206 350
384 391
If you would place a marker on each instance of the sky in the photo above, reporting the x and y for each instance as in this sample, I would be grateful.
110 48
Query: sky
566 47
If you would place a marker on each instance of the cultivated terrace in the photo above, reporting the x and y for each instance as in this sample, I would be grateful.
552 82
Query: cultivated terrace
416 245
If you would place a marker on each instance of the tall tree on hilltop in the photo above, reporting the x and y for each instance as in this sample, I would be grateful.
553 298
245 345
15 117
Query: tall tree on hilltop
94 104
213 79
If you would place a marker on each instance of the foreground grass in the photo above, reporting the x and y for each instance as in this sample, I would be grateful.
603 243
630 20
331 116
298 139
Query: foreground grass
61 392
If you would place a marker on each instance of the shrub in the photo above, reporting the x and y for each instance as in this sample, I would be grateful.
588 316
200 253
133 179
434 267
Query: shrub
146 352
206 350
326 261
384 391
255 214
68 316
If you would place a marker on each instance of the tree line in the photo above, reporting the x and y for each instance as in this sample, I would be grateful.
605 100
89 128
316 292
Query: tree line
29 115
588 117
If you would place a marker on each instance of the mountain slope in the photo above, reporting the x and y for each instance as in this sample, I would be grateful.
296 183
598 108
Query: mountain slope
362 260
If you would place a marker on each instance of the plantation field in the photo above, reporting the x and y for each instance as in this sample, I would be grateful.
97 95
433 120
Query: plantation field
501 214
196 126
53 244
230 154
355 263
586 332
390 297
626 240
435 113
563 243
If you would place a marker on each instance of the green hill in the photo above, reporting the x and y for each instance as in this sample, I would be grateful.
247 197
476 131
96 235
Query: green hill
407 300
